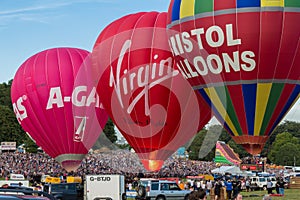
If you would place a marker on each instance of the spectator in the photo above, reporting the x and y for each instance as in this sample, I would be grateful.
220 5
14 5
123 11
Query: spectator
228 185
281 186
217 189
248 184
270 186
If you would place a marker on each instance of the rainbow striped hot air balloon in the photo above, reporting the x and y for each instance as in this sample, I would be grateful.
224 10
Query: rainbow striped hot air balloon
243 57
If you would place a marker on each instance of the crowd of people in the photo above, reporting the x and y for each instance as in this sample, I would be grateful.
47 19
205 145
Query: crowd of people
124 162
113 162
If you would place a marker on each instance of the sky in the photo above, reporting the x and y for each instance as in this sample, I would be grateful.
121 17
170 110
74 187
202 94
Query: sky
28 27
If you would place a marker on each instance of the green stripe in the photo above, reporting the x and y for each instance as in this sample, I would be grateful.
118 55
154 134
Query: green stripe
202 6
227 103
291 3
221 159
272 102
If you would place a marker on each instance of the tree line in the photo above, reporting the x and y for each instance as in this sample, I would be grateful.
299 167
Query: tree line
282 147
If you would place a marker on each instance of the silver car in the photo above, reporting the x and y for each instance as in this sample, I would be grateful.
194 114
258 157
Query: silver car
161 190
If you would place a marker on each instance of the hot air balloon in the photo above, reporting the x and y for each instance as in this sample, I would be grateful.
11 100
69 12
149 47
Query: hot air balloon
152 105
243 57
57 106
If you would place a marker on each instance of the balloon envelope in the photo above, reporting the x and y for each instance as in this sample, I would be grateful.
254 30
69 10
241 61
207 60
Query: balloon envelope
154 108
243 57
56 106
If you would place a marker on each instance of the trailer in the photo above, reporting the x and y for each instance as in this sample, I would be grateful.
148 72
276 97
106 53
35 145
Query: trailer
104 187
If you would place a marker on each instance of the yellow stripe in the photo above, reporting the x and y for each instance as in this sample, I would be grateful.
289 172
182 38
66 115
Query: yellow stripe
220 152
267 3
262 96
213 96
187 8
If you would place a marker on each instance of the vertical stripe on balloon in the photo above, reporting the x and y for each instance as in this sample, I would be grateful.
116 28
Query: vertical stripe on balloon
239 107
217 102
272 3
292 3
187 8
248 3
293 98
286 91
215 111
262 99
226 99
222 5
176 10
270 42
249 93
202 6
274 97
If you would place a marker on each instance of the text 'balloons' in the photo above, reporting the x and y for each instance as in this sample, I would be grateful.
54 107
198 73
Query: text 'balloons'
243 57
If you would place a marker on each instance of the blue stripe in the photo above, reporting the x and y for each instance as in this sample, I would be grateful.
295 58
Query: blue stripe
176 10
249 94
287 106
248 3
215 111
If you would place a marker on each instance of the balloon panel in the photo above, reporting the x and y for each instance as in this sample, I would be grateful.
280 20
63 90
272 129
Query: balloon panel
243 58
43 95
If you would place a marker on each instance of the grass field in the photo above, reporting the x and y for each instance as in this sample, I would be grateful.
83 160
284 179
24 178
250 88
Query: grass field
289 194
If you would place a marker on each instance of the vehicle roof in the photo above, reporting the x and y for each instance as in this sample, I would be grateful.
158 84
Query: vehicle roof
25 193
4 196
62 183
160 181
28 197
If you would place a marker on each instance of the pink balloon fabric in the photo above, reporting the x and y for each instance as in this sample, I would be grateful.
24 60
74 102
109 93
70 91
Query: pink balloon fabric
57 105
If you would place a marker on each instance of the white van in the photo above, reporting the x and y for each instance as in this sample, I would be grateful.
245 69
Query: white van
257 182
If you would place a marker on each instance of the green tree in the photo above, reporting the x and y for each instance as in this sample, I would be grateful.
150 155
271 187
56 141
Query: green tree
10 130
196 144
203 144
286 126
285 149
5 99
109 131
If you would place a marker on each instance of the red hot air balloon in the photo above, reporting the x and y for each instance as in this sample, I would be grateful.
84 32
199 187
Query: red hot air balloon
243 57
152 105
56 105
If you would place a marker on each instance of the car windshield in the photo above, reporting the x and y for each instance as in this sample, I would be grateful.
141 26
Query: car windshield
62 187
262 179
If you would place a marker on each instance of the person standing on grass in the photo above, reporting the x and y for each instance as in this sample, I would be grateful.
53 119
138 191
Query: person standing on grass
281 186
270 186
247 185
236 184
277 185
217 188
228 185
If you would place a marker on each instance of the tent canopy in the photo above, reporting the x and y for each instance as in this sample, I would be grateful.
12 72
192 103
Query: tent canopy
234 170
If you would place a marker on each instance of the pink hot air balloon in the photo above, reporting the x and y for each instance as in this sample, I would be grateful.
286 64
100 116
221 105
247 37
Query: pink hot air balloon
56 104
152 105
